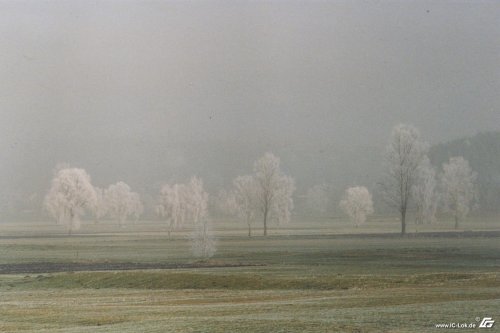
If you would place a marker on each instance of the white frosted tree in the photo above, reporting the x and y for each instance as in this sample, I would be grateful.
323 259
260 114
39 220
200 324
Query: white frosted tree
120 202
458 183
203 240
274 190
281 209
70 194
196 200
357 204
246 200
136 206
100 208
180 203
424 193
173 206
54 205
404 154
317 199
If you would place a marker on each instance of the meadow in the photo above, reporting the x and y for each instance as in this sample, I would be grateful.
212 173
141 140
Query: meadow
313 275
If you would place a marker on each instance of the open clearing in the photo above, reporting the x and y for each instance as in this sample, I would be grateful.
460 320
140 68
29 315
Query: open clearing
292 281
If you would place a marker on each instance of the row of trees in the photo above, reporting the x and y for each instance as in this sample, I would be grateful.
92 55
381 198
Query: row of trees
72 194
179 204
410 182
267 193
410 177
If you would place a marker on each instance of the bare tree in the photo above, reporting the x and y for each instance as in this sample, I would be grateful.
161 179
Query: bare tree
405 152
424 193
70 194
357 204
246 199
458 183
274 190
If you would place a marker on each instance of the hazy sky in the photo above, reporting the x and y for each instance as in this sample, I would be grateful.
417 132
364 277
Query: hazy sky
76 75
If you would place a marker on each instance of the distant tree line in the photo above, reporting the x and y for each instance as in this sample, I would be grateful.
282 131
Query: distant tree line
410 182
266 194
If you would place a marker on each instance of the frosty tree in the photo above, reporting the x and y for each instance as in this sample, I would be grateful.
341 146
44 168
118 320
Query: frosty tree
458 186
246 199
196 200
357 204
180 203
203 240
274 190
54 204
317 199
424 193
405 152
122 202
71 192
173 205
136 206
100 208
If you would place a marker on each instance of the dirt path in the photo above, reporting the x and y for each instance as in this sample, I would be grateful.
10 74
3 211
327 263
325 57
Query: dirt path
33 268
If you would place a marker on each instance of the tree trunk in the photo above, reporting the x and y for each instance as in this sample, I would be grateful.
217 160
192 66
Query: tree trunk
71 222
265 221
249 231
169 227
403 222
456 222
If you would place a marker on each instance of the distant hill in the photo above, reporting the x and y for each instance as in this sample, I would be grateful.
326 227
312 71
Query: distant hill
483 153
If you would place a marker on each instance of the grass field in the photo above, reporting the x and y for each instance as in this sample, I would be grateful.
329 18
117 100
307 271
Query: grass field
305 277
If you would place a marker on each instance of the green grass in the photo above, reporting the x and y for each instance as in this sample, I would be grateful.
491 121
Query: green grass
305 281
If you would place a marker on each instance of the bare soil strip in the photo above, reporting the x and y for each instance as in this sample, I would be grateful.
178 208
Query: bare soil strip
35 268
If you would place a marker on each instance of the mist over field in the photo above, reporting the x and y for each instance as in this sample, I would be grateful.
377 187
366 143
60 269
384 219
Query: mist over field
249 166
153 92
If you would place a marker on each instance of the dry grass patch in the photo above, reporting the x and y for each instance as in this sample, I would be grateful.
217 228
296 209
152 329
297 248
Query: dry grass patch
248 281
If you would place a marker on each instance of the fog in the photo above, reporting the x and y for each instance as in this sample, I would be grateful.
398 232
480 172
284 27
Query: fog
156 91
